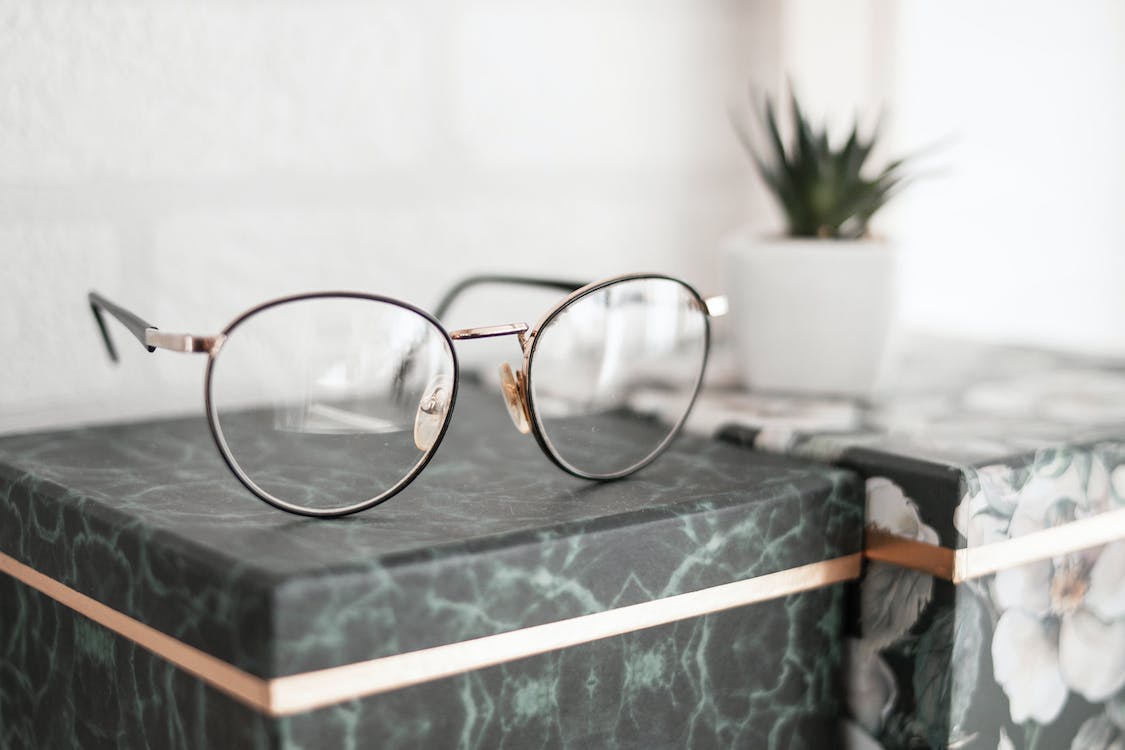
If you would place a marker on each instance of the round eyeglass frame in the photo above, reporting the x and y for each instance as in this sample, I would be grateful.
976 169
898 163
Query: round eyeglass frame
533 342
224 449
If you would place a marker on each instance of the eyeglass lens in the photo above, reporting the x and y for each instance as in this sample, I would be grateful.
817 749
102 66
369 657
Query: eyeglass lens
594 362
329 402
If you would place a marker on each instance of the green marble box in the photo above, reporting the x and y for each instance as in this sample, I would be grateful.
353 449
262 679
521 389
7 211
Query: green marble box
148 600
992 611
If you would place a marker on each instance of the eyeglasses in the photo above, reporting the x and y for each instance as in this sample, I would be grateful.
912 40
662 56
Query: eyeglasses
355 390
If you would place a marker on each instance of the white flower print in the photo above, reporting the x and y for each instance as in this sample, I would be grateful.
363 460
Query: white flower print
1025 661
870 686
891 597
1062 620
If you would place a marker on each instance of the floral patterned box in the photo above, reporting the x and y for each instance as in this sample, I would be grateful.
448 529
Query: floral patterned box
147 600
992 609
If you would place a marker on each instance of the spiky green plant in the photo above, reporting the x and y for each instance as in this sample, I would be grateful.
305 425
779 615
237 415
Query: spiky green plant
824 190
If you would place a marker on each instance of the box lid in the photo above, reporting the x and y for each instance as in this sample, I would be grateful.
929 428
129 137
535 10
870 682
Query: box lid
145 520
972 436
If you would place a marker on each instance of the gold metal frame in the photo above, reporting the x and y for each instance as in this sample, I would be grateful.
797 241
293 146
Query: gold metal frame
529 342
487 332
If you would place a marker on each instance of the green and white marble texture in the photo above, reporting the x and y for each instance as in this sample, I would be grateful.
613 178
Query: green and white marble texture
763 676
491 537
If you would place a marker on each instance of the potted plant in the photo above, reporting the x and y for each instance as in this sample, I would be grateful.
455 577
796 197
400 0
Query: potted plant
811 311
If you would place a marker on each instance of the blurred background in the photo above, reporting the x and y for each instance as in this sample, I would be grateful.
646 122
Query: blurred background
191 160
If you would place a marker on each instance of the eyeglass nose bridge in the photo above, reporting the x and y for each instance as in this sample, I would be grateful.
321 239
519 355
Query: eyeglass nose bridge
488 332
513 384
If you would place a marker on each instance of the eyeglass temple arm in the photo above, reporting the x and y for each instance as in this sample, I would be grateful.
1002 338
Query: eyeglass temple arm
716 305
150 336
135 323
450 297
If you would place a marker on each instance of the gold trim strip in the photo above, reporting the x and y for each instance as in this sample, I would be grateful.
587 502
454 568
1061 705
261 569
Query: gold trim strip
883 546
965 564
282 696
974 562
303 692
231 680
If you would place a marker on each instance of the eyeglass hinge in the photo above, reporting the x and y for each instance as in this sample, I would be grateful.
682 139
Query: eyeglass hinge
717 306
183 342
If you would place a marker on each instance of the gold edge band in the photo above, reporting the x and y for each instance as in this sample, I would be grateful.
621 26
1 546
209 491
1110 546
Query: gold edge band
282 696
311 690
883 546
974 562
231 680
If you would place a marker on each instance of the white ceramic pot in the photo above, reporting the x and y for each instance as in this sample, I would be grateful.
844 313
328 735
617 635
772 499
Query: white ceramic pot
809 316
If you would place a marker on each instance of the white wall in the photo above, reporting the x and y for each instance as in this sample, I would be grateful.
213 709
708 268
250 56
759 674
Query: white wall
1024 238
193 159
1020 234
190 160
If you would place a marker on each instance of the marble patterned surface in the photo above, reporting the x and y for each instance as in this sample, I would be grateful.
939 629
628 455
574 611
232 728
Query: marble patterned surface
146 519
763 676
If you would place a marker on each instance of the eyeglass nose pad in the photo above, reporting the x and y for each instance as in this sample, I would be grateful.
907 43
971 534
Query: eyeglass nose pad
432 411
513 388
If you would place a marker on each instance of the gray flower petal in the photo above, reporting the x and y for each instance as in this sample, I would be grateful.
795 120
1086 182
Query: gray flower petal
855 738
870 685
1026 587
1115 710
1092 655
1025 661
1097 733
891 599
1106 594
